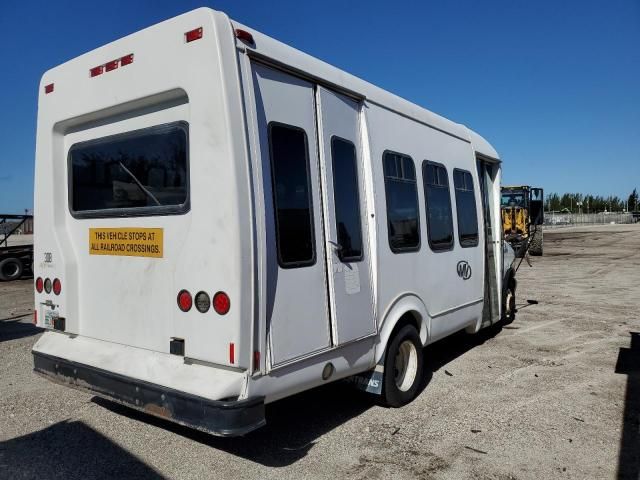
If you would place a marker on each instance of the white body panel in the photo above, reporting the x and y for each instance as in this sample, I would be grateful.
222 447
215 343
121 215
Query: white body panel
284 324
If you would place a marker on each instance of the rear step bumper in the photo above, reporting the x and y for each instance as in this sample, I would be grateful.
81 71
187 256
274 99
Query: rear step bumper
223 418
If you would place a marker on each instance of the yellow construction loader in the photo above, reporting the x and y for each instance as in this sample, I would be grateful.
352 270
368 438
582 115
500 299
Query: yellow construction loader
522 218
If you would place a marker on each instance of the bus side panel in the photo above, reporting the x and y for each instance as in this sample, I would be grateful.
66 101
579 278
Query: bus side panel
452 301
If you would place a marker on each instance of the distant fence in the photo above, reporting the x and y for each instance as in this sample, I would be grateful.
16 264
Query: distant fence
560 218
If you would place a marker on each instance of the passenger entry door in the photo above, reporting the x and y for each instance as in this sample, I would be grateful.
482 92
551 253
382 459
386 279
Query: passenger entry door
487 173
297 312
348 256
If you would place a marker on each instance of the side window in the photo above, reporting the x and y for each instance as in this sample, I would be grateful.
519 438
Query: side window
466 207
346 199
402 202
438 199
291 195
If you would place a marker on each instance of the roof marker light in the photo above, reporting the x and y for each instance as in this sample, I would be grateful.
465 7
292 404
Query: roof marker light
244 36
95 71
193 35
112 65
126 60
48 88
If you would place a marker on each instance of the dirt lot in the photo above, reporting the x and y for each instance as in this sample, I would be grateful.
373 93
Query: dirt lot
554 395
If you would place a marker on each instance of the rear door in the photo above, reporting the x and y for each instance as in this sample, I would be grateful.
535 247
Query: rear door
296 305
348 256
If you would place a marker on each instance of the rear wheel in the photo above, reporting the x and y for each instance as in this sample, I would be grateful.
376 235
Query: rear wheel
402 368
10 269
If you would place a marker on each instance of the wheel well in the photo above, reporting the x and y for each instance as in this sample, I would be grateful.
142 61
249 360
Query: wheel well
408 318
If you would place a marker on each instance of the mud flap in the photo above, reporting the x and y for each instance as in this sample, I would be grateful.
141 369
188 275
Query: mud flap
371 381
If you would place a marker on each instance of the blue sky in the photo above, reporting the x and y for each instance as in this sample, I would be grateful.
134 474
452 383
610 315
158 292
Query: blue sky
553 85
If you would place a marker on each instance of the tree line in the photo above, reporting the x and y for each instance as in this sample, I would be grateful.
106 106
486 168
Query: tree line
586 203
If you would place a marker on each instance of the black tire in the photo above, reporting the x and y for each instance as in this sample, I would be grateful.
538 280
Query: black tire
535 248
509 304
10 269
394 395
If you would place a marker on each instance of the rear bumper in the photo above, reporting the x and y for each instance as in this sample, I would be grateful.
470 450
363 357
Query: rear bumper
223 418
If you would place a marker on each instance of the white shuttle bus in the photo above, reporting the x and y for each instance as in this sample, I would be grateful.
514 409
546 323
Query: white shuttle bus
223 221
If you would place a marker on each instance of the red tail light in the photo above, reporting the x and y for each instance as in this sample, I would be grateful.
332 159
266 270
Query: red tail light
57 286
193 35
39 284
221 303
184 301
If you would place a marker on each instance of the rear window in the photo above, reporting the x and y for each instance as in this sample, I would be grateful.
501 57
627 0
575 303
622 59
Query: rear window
142 172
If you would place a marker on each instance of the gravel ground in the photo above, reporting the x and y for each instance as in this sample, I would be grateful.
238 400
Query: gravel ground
556 394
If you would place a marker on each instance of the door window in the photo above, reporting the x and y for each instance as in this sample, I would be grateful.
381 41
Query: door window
291 195
346 199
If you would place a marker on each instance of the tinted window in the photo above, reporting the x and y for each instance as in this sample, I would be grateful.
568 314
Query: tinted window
346 199
439 216
402 202
291 195
466 207
137 173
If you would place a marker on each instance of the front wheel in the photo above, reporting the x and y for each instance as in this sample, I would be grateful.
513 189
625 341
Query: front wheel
403 367
509 304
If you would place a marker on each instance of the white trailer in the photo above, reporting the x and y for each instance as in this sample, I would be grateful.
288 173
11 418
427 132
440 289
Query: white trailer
223 221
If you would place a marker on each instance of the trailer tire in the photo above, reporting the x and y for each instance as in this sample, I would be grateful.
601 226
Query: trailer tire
535 248
10 269
403 368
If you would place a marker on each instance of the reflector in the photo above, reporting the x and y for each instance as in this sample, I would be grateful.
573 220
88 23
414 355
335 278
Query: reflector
232 353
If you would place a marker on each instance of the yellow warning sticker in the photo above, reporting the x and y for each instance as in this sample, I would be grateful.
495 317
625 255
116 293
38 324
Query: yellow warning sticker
131 242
